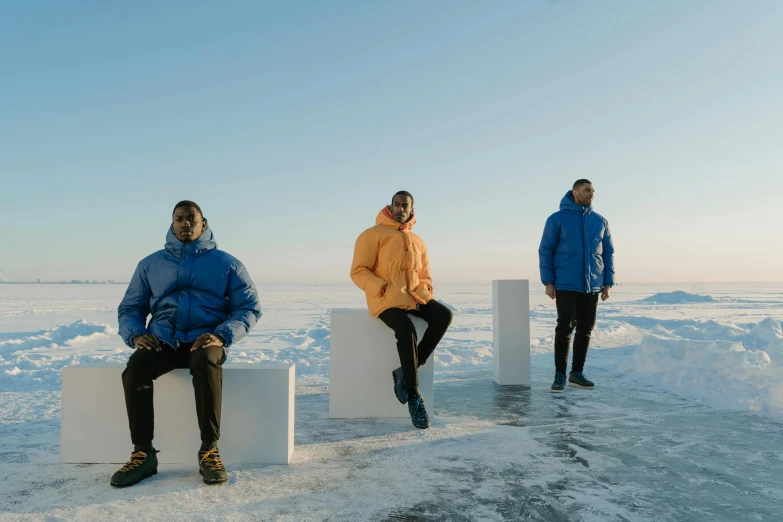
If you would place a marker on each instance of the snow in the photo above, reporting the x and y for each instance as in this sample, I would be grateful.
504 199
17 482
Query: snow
710 361
677 297
723 372
685 422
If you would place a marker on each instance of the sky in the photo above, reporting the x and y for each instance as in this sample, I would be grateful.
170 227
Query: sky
293 123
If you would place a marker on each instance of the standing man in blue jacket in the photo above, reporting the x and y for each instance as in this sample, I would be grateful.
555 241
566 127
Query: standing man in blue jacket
202 301
576 258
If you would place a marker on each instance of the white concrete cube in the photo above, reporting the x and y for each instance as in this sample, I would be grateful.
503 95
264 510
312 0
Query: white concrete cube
257 421
362 356
511 331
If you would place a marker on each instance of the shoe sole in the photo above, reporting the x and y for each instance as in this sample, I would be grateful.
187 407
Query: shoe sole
212 482
128 484
580 386
556 391
394 380
422 427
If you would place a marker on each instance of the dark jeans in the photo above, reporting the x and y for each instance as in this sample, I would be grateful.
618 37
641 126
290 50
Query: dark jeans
574 309
413 353
144 366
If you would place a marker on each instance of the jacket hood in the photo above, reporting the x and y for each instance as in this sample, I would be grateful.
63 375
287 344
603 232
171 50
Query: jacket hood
202 245
386 219
568 203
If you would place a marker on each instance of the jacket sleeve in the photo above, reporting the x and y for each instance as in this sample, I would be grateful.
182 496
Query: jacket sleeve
424 274
546 251
135 307
365 255
608 257
245 306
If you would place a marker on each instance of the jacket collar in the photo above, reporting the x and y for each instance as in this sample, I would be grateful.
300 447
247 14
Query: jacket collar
386 219
202 245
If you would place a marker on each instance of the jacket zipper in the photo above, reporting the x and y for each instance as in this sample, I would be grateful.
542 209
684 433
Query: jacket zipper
584 251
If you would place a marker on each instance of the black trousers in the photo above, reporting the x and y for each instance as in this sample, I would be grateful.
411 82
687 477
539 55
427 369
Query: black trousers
144 366
574 309
413 353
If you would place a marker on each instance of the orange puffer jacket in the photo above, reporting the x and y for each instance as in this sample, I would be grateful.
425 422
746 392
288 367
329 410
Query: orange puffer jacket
390 264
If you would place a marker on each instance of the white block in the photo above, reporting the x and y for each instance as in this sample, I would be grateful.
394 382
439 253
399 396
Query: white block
511 331
257 421
362 356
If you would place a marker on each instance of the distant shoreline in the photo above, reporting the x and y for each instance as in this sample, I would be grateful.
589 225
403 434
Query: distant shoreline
449 283
63 283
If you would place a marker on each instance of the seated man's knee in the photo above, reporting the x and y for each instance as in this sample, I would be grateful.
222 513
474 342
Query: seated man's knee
139 364
206 357
405 330
140 359
442 316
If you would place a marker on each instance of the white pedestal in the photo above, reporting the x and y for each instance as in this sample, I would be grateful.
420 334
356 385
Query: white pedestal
511 331
363 353
257 421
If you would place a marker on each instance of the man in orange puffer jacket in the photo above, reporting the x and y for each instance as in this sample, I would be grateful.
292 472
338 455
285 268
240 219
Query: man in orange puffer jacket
391 265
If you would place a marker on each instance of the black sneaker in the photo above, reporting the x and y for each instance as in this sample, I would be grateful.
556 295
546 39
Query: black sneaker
210 466
419 416
141 465
579 380
559 385
400 391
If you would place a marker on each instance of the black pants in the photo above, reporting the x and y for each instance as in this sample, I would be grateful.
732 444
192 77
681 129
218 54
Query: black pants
574 309
146 365
413 353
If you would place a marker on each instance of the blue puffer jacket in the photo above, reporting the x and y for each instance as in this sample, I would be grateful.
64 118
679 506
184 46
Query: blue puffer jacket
576 251
190 289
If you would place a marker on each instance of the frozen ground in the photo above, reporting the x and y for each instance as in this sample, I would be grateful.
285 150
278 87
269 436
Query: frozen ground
686 422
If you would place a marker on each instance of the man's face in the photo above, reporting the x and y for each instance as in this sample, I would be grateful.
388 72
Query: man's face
187 224
401 208
584 195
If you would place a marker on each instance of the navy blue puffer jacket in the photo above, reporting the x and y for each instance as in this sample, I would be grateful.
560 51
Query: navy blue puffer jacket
576 251
190 289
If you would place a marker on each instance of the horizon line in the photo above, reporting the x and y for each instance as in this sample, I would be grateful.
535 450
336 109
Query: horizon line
336 283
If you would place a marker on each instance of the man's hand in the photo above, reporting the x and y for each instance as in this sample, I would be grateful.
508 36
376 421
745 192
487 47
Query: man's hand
206 340
146 342
605 293
550 291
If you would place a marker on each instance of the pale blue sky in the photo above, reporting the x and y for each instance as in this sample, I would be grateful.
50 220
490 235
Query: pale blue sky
293 123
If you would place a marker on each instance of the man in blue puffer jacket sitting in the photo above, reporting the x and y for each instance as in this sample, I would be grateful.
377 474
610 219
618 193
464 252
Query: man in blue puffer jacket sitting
202 301
576 259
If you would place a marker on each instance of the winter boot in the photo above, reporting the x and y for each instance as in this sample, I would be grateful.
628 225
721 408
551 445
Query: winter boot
141 465
400 391
579 380
559 385
419 416
210 466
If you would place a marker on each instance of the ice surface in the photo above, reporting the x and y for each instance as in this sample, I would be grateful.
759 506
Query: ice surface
685 423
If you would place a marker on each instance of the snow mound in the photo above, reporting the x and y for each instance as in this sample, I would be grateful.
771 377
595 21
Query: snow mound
67 335
35 359
677 297
711 331
721 371
767 335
